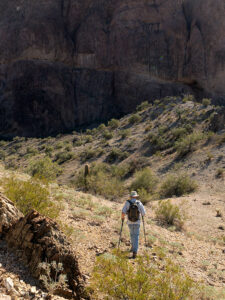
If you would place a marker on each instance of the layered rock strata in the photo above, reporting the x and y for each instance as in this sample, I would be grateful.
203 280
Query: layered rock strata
38 239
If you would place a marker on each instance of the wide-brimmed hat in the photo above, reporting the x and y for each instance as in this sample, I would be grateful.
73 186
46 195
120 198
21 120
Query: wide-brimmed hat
134 194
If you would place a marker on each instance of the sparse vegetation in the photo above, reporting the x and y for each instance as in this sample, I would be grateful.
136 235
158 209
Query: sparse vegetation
116 278
143 106
30 194
135 118
101 181
45 169
59 281
177 185
113 124
117 154
145 183
188 143
170 214
206 102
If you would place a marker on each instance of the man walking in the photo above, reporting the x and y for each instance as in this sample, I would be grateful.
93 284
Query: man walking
134 209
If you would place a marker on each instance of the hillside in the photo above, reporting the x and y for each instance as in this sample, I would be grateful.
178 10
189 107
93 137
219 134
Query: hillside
172 136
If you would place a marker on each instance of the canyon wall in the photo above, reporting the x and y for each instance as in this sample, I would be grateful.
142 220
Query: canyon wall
70 63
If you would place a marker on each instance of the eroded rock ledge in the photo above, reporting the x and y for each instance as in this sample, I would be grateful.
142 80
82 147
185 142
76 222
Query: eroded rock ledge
38 239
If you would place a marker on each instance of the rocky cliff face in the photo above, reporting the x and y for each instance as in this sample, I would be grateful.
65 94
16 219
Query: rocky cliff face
66 63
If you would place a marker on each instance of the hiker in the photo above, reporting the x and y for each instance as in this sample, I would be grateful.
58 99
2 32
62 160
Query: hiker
134 209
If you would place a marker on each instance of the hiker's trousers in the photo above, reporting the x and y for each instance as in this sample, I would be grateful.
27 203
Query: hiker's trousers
134 236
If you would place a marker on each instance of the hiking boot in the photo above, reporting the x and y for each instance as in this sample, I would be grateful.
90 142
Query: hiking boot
134 254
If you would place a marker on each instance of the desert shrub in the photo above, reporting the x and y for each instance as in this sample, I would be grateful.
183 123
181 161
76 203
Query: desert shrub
142 106
148 128
162 130
117 154
101 127
188 98
113 124
45 168
135 118
125 133
68 148
101 181
59 145
144 196
31 151
2 155
52 284
62 157
170 214
2 143
177 185
49 150
178 133
206 102
107 135
145 179
158 142
29 195
89 138
88 154
116 278
188 143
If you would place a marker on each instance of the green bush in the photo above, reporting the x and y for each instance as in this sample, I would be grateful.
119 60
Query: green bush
2 155
125 133
102 181
114 277
32 151
62 157
143 106
188 143
177 185
101 127
45 168
107 135
135 118
188 98
117 154
29 195
88 154
170 214
59 145
145 179
113 124
206 102
158 142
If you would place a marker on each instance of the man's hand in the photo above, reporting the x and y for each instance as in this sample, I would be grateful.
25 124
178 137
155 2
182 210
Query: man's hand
123 216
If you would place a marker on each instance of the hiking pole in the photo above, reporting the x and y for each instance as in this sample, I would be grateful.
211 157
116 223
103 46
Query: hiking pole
144 230
120 233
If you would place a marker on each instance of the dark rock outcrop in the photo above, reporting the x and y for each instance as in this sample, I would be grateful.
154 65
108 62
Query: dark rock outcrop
38 240
67 63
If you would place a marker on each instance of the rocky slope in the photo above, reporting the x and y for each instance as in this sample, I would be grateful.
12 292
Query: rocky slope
66 63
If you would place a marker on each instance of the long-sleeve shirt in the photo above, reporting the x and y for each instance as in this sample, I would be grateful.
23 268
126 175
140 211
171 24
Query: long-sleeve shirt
140 208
